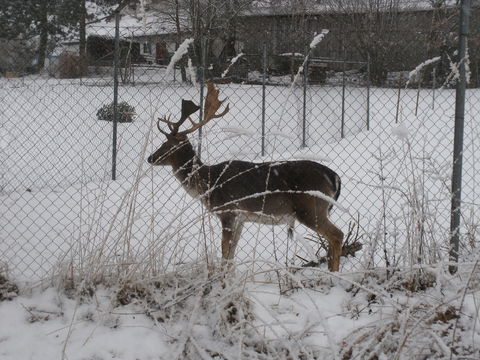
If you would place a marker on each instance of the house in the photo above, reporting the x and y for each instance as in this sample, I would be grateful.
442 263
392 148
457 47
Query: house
144 45
150 32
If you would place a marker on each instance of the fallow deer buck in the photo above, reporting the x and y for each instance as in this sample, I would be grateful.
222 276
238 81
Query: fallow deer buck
239 191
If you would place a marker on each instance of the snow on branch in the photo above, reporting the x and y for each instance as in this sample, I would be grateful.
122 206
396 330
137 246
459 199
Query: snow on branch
316 40
237 131
413 74
454 74
191 71
182 50
232 62
283 134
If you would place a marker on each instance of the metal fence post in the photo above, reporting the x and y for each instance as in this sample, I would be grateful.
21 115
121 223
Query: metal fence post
305 81
203 45
264 76
399 96
458 136
419 85
115 94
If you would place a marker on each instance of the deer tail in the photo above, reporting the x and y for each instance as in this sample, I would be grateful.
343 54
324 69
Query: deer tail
338 188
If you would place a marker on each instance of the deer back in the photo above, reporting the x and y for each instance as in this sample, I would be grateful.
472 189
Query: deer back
270 188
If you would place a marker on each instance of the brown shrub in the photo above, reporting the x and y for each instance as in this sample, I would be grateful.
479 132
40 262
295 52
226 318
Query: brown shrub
8 289
71 66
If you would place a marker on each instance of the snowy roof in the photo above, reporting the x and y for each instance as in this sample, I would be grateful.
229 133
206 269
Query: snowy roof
149 24
132 23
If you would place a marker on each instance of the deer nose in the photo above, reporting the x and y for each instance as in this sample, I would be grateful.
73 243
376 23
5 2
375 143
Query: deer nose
150 159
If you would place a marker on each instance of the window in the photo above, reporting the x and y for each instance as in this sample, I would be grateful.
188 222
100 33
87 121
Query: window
147 48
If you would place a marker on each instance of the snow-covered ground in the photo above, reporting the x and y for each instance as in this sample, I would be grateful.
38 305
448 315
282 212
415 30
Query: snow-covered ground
284 316
56 161
61 214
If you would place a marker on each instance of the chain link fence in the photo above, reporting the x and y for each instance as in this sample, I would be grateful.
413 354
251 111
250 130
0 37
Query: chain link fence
391 145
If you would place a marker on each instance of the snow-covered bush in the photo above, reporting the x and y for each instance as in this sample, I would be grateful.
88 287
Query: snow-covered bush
125 111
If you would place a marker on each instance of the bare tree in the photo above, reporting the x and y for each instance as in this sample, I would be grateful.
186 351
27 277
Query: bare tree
379 29
297 12
216 21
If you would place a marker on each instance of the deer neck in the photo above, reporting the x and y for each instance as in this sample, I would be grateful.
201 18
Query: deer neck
186 169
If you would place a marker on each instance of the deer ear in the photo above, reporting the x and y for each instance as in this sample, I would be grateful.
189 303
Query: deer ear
188 108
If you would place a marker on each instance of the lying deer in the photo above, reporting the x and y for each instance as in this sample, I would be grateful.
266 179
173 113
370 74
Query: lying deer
239 191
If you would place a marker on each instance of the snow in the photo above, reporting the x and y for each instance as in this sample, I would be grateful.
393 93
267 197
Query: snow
318 38
232 62
400 131
291 54
236 131
48 325
182 50
192 72
308 155
283 134
415 72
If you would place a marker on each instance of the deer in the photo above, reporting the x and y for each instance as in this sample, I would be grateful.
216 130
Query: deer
238 192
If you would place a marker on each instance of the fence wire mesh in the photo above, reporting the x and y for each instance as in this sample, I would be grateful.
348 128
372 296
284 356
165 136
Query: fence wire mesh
391 145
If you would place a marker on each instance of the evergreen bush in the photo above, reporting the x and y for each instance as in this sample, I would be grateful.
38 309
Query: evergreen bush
126 112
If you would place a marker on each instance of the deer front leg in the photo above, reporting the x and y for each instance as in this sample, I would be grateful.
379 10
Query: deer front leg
231 230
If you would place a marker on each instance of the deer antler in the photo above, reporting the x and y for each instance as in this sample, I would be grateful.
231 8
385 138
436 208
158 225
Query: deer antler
171 125
212 104
188 108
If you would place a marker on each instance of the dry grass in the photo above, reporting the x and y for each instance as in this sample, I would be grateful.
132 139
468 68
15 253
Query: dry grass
8 289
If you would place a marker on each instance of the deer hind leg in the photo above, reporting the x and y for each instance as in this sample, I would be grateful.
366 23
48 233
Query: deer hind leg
231 230
334 237
316 218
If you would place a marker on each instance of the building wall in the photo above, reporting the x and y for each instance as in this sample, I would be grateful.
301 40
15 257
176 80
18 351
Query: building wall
418 36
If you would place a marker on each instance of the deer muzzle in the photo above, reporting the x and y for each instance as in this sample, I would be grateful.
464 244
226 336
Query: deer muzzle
151 160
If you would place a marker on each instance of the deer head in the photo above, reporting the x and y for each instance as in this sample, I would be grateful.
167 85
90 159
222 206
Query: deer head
177 147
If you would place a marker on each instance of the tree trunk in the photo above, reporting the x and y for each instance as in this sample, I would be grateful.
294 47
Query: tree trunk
82 30
82 50
183 71
42 46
